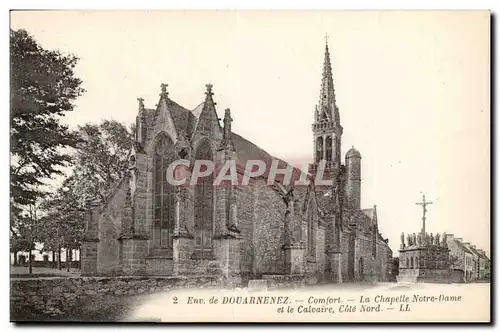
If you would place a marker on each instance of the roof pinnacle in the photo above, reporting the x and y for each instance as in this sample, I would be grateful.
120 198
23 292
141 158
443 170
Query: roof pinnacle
164 92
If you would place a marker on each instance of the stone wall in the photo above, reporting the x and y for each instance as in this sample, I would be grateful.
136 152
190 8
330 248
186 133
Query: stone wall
245 217
284 281
110 222
268 234
50 297
429 276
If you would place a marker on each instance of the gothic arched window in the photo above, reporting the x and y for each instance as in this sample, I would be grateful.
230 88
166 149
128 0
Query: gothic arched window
204 205
407 263
411 262
319 149
328 144
163 218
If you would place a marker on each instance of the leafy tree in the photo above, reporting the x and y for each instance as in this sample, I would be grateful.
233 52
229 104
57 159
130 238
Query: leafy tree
395 267
20 235
43 89
101 158
453 262
25 233
63 224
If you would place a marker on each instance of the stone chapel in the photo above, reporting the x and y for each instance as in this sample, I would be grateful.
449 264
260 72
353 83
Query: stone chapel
149 227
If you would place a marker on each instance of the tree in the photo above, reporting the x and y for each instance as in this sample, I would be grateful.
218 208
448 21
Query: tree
20 235
101 159
63 224
394 267
25 233
43 89
453 262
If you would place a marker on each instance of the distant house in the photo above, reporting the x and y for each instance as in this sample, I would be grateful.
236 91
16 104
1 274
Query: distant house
466 258
482 263
39 255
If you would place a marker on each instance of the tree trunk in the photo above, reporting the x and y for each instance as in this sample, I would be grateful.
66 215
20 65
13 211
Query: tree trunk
15 258
68 257
53 265
59 258
30 265
80 257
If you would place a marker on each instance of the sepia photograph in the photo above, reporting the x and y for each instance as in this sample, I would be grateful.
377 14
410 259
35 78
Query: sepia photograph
250 166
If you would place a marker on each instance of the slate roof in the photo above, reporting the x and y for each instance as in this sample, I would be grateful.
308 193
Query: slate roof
186 119
478 253
197 111
463 247
247 150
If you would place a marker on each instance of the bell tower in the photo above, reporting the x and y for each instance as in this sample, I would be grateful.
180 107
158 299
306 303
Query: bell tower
327 131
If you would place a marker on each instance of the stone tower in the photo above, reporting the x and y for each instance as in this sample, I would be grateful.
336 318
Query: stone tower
327 130
353 189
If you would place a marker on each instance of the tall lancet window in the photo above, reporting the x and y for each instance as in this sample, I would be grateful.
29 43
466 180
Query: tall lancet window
328 143
163 218
204 205
319 149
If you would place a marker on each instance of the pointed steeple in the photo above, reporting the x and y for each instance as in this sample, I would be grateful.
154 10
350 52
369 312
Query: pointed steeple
326 128
327 109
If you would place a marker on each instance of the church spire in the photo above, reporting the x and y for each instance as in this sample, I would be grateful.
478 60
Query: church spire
327 109
326 128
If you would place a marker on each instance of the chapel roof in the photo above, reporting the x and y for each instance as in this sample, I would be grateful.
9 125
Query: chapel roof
182 117
186 119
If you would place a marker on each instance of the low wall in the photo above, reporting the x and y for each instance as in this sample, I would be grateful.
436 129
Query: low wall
284 281
39 298
429 275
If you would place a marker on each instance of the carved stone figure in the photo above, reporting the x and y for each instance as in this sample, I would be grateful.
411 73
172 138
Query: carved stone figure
408 239
419 239
402 240
444 243
438 242
431 239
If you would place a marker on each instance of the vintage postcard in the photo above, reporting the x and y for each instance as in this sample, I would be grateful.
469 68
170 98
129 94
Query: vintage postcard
250 166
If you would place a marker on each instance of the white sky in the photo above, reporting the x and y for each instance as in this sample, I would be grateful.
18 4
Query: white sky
412 88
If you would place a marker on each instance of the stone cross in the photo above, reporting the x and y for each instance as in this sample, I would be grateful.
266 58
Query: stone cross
424 204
